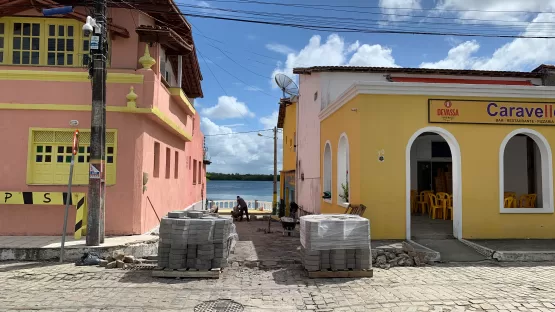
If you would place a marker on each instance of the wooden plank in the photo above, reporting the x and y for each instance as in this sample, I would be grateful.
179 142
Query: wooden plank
341 274
213 273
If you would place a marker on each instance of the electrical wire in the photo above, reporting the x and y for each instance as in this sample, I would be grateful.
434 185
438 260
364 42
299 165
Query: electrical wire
233 133
335 9
330 20
369 7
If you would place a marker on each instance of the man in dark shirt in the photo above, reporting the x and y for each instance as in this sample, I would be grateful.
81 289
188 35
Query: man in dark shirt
243 208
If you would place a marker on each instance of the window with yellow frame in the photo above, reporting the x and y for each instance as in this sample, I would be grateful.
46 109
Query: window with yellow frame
50 157
43 42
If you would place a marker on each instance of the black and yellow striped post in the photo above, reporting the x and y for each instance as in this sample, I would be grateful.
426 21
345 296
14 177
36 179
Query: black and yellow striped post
51 198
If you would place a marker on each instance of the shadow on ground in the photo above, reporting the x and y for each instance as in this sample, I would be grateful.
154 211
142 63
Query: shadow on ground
8 266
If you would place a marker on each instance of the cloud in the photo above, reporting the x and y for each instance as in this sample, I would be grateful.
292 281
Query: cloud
227 107
334 52
279 48
519 54
507 12
270 122
253 88
399 10
372 55
239 152
459 57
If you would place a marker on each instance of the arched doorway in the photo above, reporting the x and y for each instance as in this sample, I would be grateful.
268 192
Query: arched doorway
525 173
433 163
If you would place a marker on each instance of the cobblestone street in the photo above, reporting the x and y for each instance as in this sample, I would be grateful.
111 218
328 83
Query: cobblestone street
489 287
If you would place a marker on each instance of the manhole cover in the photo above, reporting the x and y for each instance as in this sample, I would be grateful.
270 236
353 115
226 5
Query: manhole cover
220 305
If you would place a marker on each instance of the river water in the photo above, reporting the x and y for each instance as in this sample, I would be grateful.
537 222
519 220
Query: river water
249 190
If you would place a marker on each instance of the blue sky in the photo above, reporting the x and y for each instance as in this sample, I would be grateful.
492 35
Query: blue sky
244 57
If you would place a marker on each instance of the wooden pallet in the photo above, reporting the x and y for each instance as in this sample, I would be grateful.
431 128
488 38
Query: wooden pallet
187 273
341 273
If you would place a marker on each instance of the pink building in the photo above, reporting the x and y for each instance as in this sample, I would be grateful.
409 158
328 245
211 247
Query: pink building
155 159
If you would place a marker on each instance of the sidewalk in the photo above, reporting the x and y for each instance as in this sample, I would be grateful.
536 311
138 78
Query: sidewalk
35 248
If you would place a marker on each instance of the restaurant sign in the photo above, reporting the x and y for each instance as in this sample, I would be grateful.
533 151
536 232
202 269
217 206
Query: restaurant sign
490 112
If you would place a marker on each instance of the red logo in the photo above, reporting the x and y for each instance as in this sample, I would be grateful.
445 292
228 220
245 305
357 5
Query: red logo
448 104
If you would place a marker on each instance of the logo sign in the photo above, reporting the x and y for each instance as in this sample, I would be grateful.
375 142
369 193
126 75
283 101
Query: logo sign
94 42
94 173
490 112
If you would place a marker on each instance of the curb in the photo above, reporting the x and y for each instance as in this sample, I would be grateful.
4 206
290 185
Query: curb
511 256
429 254
72 254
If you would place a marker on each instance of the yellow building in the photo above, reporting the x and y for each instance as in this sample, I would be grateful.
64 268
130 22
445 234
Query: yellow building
287 121
481 137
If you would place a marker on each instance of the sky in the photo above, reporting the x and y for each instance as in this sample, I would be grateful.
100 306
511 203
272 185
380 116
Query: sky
239 60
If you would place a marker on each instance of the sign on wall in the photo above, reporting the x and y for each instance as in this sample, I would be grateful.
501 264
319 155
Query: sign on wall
491 112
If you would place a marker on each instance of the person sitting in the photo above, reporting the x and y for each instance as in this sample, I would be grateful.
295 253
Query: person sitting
243 208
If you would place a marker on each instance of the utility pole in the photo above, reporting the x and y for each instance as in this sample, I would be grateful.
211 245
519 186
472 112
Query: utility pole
95 222
274 204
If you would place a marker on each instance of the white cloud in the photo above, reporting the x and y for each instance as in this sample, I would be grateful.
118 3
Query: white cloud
496 12
227 107
253 88
279 48
372 55
519 54
459 57
270 122
239 152
334 52
399 10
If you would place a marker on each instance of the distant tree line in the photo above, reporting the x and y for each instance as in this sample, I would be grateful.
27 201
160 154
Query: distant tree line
214 176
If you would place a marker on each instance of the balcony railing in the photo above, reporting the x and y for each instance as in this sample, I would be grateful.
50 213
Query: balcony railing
230 203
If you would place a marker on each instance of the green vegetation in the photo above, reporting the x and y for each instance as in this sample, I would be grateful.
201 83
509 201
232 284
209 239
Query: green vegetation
214 176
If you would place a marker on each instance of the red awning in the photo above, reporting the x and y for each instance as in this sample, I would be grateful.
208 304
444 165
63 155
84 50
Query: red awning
463 81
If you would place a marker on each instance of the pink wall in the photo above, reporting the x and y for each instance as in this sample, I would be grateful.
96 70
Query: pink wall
308 148
128 210
47 220
167 194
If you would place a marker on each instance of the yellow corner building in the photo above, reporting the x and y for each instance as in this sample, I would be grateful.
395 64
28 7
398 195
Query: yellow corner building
460 153
287 121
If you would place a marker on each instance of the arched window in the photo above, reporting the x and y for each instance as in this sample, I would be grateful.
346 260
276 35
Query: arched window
327 170
343 170
525 173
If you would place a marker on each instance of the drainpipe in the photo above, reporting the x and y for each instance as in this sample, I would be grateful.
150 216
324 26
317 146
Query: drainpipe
179 70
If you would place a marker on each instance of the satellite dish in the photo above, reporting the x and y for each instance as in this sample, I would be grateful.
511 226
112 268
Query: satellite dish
287 85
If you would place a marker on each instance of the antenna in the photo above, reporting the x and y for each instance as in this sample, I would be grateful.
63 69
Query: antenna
287 85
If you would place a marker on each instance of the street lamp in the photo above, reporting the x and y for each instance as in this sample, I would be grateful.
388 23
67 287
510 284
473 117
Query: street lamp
274 202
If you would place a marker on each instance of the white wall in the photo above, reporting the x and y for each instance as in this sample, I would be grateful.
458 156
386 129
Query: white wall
333 84
422 151
308 144
516 172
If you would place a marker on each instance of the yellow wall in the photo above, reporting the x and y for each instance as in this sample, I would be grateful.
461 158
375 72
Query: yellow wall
386 122
289 131
348 122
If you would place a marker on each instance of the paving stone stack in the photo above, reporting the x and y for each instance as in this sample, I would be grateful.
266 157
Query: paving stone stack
336 242
194 241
